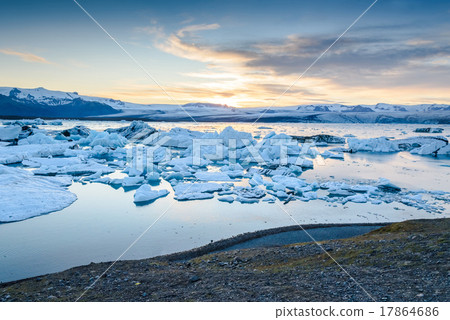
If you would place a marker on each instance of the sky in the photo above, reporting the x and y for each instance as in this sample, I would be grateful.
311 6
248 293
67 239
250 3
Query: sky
239 53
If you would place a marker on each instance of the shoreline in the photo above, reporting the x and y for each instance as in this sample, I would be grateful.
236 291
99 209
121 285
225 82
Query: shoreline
404 261
220 245
223 244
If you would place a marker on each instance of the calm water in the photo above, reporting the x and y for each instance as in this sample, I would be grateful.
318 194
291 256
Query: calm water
104 221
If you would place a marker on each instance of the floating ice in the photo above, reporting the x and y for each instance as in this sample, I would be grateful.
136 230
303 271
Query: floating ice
68 166
419 145
212 176
132 181
209 187
387 186
38 138
9 133
228 199
235 138
15 154
194 196
357 198
249 192
153 177
137 130
104 139
145 193
23 195
75 133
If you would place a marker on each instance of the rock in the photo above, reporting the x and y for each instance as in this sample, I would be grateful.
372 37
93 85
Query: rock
194 278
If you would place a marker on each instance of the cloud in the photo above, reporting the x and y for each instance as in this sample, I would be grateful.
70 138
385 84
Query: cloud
28 57
362 67
197 27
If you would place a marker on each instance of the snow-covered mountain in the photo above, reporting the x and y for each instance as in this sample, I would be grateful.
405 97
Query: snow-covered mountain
40 102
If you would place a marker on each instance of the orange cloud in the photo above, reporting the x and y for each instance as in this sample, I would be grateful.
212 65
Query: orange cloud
28 57
257 75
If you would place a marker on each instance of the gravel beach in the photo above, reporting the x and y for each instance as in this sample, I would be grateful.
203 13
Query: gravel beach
408 261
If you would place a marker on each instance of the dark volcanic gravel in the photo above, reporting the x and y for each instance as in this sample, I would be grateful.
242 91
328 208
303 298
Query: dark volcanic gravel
406 261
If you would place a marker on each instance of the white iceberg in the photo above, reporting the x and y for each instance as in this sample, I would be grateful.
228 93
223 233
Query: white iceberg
357 198
132 181
228 199
194 196
145 193
38 138
137 130
23 195
418 145
387 186
10 133
15 154
246 200
212 176
104 139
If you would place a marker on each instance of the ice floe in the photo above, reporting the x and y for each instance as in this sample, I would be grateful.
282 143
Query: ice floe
418 145
9 133
137 130
24 195
104 139
145 193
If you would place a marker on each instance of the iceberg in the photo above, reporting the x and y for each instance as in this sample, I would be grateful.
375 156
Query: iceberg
75 133
418 145
145 193
228 199
132 181
234 138
16 154
23 195
10 133
387 186
357 198
212 176
194 196
137 130
249 192
38 138
67 167
104 139
152 177
246 200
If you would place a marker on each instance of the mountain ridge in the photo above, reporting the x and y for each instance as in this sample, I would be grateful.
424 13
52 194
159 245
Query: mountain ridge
40 102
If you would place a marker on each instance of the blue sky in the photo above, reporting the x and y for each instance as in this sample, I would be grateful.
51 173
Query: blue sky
242 53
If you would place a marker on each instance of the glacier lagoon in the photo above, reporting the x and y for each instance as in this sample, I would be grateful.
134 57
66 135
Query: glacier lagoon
104 221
